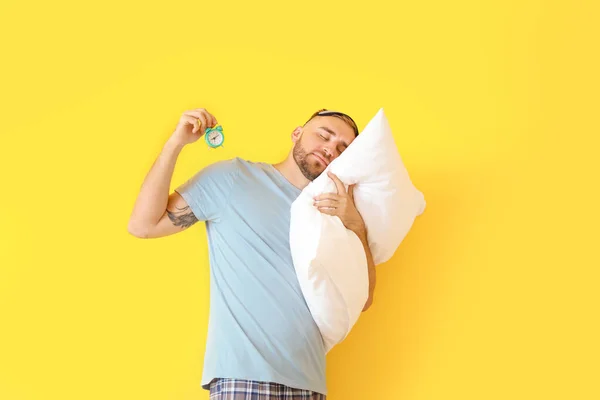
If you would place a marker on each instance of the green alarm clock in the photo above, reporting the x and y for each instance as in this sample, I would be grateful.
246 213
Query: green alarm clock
214 136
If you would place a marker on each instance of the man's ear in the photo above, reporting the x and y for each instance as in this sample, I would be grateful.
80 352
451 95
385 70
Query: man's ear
296 133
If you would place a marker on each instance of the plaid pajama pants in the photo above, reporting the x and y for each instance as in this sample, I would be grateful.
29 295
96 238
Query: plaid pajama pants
238 389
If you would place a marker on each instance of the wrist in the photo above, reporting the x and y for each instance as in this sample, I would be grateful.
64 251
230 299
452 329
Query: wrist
361 232
173 145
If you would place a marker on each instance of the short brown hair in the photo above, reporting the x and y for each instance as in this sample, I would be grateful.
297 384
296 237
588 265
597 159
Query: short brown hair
330 113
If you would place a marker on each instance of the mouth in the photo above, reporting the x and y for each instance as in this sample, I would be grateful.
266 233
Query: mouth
321 159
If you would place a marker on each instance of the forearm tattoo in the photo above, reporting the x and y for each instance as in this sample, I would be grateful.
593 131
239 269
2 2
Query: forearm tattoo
183 217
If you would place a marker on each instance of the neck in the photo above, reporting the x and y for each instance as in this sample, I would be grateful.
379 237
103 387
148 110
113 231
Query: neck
289 169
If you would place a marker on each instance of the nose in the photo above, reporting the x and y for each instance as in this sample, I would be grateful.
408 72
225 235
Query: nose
330 154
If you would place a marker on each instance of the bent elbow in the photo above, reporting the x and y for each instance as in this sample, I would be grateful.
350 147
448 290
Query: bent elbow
136 230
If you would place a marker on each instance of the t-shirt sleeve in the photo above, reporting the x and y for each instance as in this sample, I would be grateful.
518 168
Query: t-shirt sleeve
207 192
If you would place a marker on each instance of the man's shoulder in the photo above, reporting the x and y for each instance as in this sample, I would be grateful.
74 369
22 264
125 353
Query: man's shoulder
227 165
237 168
235 162
243 163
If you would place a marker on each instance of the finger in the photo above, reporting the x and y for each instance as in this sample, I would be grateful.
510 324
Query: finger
213 121
210 119
196 125
204 123
202 117
193 113
328 196
192 121
328 211
327 203
338 184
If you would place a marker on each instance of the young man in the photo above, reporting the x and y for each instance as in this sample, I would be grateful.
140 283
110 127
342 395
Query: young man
262 340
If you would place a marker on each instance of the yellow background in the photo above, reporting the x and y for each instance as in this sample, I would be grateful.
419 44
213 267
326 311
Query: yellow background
494 106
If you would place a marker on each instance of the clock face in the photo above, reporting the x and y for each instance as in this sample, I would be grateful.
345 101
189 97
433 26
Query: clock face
215 138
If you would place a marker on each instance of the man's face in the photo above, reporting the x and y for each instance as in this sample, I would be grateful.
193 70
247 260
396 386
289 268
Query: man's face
319 142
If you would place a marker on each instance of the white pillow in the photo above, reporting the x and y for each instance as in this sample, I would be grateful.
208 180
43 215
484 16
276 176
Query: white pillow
329 259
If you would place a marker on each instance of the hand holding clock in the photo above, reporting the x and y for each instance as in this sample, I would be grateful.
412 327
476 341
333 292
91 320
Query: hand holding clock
193 124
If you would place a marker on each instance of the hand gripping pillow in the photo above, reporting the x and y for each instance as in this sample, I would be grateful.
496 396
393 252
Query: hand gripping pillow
329 259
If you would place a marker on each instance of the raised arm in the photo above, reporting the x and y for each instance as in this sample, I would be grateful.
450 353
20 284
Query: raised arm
157 213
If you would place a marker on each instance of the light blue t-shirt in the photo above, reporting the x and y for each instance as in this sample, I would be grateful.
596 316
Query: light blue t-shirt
260 327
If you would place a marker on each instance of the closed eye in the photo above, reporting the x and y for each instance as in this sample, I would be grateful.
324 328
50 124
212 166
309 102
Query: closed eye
323 137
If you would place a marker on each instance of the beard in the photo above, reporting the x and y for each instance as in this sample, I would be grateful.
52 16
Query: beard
300 157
